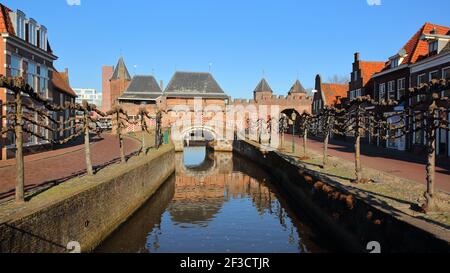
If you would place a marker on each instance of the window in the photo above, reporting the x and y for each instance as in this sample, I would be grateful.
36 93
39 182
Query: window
395 62
43 81
15 66
32 34
355 74
446 73
401 83
432 47
435 75
43 38
391 90
32 73
381 91
20 25
421 79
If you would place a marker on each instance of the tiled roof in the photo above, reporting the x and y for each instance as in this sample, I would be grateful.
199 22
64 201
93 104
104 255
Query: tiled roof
417 49
61 82
263 86
369 68
331 91
142 88
5 21
297 88
194 84
120 69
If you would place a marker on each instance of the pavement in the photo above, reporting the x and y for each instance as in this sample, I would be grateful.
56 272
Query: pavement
56 166
402 164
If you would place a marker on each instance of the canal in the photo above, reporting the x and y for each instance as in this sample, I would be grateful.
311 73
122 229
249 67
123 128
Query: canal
216 203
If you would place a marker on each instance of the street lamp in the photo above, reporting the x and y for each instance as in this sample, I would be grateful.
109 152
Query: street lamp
293 117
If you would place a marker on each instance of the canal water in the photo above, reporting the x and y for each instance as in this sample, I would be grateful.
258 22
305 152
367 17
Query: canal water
215 203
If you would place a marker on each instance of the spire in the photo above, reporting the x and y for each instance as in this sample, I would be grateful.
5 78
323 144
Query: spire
297 88
121 71
263 86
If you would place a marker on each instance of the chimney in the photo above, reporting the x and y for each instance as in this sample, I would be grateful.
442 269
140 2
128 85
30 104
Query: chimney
161 85
356 57
433 31
66 75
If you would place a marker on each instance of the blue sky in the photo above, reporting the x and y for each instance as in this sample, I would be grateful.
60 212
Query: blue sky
240 38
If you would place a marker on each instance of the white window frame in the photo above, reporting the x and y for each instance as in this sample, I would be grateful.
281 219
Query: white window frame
435 71
431 48
20 25
18 70
45 79
443 69
399 86
418 79
391 89
381 91
34 75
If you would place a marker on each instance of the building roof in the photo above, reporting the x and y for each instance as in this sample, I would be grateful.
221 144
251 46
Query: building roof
194 84
5 21
142 88
121 70
331 92
417 49
61 82
263 86
297 88
370 68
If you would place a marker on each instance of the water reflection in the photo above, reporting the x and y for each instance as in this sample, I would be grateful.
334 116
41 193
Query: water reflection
223 203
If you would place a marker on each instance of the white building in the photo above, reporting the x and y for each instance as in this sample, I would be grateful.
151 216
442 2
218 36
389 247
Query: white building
90 95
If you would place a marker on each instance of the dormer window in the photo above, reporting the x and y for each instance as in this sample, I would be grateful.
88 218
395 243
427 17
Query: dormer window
43 37
395 62
32 29
433 46
19 23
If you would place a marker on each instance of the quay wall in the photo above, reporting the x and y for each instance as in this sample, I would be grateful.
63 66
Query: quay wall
84 210
351 219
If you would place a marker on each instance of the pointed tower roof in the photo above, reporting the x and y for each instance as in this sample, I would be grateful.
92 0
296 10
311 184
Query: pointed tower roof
297 88
263 86
121 71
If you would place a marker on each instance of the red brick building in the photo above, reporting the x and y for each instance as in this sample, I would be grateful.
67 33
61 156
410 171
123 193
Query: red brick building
436 65
25 51
328 94
107 72
361 83
407 69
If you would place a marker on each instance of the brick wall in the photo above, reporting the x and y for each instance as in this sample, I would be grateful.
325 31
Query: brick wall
87 215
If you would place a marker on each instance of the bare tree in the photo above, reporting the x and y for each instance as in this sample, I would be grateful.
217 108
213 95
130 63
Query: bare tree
339 79
305 124
429 111
326 120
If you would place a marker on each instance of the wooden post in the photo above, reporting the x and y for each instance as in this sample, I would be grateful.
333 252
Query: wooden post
20 173
87 148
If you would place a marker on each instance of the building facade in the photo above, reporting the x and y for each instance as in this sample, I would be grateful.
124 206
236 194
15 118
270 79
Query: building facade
412 66
25 51
361 83
90 95
328 94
